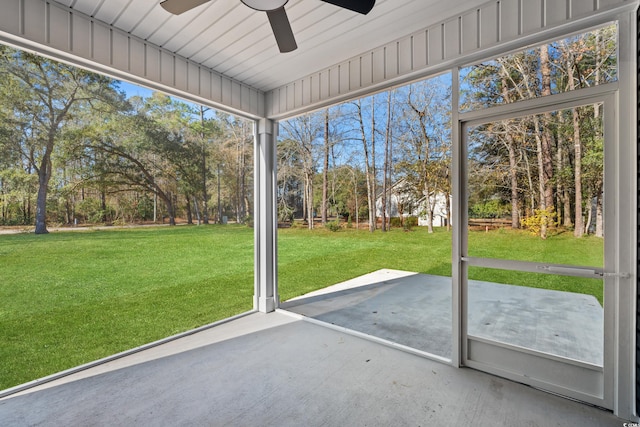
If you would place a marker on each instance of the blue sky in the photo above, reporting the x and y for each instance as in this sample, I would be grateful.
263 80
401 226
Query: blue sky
132 89
135 90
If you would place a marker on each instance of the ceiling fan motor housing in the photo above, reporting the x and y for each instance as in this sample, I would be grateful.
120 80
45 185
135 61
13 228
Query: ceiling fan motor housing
265 5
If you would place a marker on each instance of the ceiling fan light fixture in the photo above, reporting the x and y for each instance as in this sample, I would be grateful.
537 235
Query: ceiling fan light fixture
265 5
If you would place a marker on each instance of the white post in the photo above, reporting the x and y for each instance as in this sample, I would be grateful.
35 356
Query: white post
625 239
265 216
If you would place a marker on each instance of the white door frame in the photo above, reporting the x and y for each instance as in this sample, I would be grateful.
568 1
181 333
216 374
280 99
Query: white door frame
625 183
584 381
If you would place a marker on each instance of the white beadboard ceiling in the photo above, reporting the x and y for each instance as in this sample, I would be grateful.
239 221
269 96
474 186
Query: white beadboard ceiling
236 41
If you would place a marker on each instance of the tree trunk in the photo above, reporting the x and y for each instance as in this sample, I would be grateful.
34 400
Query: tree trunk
304 197
546 140
4 201
197 208
513 178
325 168
563 186
426 193
103 204
587 226
44 175
599 215
203 170
41 203
577 146
513 163
577 159
513 175
167 199
373 219
547 136
532 199
541 176
424 165
171 209
386 182
245 196
599 134
309 194
188 208
368 173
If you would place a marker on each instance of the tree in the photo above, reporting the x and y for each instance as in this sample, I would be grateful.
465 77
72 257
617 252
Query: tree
326 150
44 94
368 150
235 158
547 151
428 135
388 160
139 153
305 131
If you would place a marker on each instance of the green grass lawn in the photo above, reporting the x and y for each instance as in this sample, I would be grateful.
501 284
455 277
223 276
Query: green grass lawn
72 297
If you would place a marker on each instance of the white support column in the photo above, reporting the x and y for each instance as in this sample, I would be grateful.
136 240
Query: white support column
265 216
626 216
458 273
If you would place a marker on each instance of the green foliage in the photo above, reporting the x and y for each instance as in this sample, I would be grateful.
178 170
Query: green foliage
333 225
285 212
363 213
90 210
410 222
395 221
144 208
494 208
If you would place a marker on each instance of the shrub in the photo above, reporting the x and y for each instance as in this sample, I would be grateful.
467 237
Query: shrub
285 213
144 208
363 213
541 216
493 208
411 221
395 221
333 225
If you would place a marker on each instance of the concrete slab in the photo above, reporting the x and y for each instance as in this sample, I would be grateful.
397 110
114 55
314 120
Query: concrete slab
415 310
272 370
402 307
564 324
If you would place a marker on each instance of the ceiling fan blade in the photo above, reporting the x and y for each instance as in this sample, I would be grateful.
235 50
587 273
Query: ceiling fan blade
180 6
282 30
360 6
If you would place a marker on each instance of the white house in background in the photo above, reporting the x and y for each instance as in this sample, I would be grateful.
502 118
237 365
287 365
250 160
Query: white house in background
403 202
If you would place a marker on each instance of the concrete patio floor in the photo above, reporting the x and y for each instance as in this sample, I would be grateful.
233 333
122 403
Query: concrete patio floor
280 369
414 310
275 370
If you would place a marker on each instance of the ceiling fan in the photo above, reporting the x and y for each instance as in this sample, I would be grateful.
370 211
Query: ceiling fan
275 12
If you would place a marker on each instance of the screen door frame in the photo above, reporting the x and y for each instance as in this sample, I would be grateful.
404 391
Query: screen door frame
574 379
